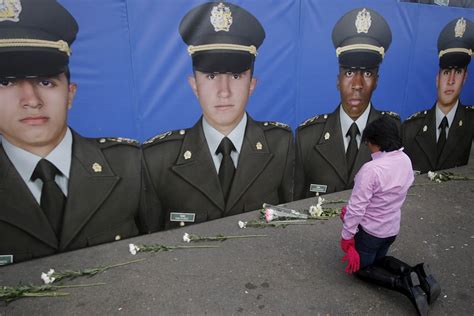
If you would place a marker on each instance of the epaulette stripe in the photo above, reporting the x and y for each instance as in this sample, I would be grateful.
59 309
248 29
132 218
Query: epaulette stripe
118 140
157 137
277 124
312 119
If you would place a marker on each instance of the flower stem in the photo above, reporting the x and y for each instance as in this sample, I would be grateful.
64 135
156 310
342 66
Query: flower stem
178 247
77 285
123 263
50 294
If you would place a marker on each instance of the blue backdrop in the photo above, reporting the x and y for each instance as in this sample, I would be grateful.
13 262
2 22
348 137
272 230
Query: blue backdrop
131 65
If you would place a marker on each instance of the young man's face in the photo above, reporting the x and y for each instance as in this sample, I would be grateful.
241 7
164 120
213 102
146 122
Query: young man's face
449 83
223 97
355 87
33 112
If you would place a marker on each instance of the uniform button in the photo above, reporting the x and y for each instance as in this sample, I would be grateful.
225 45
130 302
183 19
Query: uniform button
118 237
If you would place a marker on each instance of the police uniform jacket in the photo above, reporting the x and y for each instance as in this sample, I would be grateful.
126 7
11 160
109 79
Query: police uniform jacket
321 157
184 178
419 139
102 204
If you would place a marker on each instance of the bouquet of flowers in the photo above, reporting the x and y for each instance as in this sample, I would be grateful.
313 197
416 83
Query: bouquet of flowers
319 212
274 212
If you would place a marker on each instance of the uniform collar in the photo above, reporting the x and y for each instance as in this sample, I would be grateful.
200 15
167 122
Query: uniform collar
450 116
25 162
346 120
214 137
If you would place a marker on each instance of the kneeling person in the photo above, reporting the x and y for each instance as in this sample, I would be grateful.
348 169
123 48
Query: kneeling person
227 163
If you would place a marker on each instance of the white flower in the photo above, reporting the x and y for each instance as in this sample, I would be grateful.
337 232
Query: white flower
320 201
431 175
47 277
315 210
133 249
186 237
242 224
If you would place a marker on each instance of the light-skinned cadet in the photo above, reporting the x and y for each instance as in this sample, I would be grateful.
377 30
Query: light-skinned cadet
227 163
328 151
59 191
441 137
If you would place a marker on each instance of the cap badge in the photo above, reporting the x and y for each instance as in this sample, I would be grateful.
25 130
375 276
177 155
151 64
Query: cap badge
460 123
10 10
327 136
259 146
187 155
425 128
96 167
363 21
442 2
221 18
460 28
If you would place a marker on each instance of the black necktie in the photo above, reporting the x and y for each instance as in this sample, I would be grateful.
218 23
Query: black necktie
227 168
52 198
352 149
442 137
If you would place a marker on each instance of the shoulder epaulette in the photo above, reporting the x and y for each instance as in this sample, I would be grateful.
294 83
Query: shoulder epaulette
469 107
165 136
392 114
118 140
417 115
314 119
277 124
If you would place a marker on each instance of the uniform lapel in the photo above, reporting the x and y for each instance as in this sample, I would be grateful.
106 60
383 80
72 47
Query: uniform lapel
22 209
331 146
196 167
426 137
252 161
454 135
87 189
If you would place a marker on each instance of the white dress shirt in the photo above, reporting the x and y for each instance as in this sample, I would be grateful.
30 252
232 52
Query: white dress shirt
214 138
25 163
346 122
439 117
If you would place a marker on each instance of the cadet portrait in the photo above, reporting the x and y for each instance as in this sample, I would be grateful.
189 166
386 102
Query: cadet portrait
328 146
59 191
441 137
227 163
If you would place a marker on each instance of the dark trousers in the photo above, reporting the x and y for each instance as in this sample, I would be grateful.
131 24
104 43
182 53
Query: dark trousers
371 248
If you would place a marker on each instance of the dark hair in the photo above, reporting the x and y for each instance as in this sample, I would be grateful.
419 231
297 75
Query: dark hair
384 133
67 72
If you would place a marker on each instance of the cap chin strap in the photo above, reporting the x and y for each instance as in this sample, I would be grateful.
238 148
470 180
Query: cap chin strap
455 50
199 48
25 42
374 48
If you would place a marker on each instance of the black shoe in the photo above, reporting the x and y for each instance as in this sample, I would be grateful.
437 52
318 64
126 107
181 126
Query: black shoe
411 287
428 282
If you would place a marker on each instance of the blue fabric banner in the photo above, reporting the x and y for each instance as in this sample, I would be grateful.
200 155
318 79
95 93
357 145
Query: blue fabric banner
131 65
